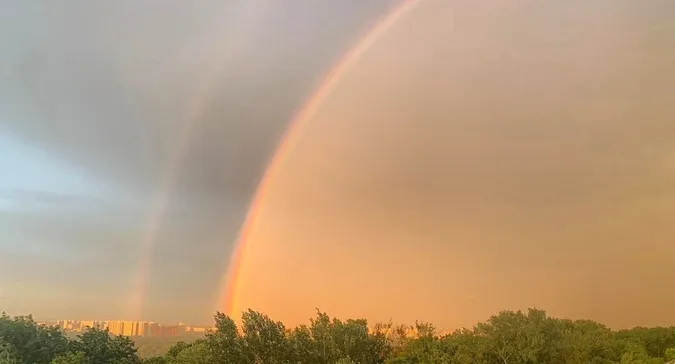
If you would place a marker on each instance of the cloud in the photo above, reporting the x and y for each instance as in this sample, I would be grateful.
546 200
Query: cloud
523 155
123 130
107 89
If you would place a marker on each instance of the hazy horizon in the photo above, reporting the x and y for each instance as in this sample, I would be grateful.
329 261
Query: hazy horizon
479 157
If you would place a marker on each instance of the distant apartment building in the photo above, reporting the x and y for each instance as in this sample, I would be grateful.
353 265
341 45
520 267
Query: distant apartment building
128 328
67 325
142 329
87 324
116 327
196 330
132 328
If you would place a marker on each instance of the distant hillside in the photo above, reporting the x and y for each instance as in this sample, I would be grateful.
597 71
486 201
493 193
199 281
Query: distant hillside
159 345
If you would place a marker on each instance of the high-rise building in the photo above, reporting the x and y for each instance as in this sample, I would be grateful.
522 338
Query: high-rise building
142 329
132 328
116 327
87 324
64 325
128 328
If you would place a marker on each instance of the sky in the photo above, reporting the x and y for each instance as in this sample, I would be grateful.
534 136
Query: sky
479 156
102 104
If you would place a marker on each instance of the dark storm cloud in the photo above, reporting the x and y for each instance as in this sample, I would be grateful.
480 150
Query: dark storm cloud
97 90
105 88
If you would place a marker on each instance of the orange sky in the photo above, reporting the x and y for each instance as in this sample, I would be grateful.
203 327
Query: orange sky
483 157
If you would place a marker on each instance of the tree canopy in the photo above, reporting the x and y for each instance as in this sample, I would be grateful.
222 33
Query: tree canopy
508 337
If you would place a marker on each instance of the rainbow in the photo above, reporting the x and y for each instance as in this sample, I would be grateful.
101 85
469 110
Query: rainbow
232 278
191 116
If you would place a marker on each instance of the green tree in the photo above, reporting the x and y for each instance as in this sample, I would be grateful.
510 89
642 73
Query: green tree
100 347
6 355
176 348
395 336
29 342
655 340
71 358
199 353
225 345
425 347
302 346
585 341
335 340
637 354
321 329
265 339
465 346
509 337
155 360
670 354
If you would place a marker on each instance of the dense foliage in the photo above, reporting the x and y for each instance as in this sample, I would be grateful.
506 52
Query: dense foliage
509 337
22 341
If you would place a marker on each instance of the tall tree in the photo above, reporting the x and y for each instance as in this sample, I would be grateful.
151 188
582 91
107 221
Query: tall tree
100 347
225 345
200 353
29 342
265 339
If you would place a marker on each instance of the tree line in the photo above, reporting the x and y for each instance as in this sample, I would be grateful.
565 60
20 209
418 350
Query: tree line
509 337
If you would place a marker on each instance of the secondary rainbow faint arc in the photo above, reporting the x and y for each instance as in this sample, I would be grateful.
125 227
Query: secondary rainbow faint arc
304 115
192 115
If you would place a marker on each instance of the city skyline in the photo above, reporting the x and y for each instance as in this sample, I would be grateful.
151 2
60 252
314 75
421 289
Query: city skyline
129 328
